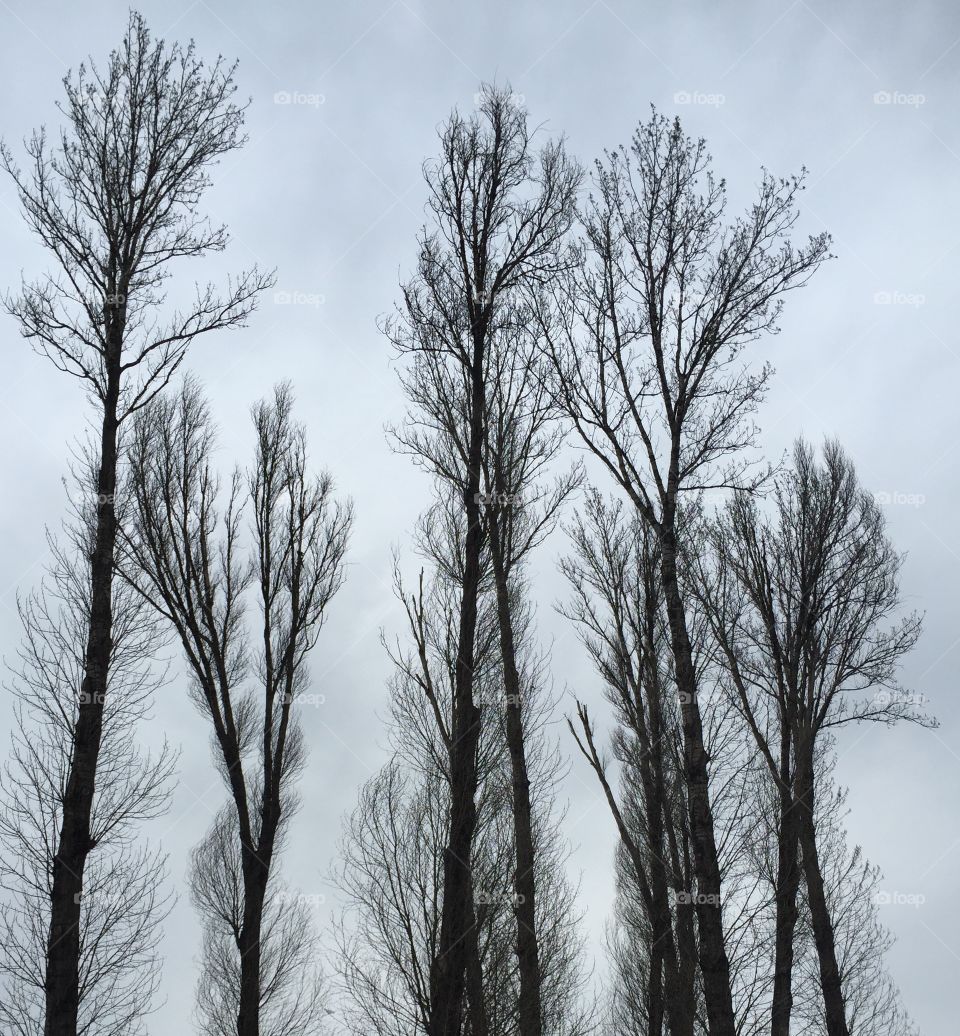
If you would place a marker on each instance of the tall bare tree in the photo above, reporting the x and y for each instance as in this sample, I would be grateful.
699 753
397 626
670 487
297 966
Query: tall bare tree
394 842
520 508
115 202
499 211
804 607
122 903
186 558
646 343
618 608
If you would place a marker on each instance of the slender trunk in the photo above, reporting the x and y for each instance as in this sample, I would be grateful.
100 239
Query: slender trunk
823 934
479 1023
524 881
62 986
248 945
655 993
686 936
679 1009
788 884
714 965
447 971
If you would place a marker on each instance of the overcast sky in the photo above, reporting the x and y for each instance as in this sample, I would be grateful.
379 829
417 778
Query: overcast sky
329 191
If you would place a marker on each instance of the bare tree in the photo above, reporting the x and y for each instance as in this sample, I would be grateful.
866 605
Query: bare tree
122 903
803 604
521 440
618 608
292 987
646 345
394 842
185 557
499 212
115 203
872 1000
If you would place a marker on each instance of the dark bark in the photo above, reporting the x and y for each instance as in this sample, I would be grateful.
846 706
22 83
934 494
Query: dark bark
655 992
686 935
788 885
679 997
714 965
628 647
447 972
680 1006
524 883
821 921
74 842
477 1006
255 874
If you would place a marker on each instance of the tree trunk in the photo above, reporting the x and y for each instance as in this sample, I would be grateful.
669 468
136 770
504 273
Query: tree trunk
255 876
823 934
524 880
74 843
788 884
447 971
655 993
686 936
679 1008
479 1023
714 964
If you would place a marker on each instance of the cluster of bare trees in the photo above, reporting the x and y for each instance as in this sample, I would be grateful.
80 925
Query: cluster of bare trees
616 313
731 643
721 638
156 552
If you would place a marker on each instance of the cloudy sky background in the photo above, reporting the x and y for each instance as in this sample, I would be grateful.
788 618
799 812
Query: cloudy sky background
329 191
